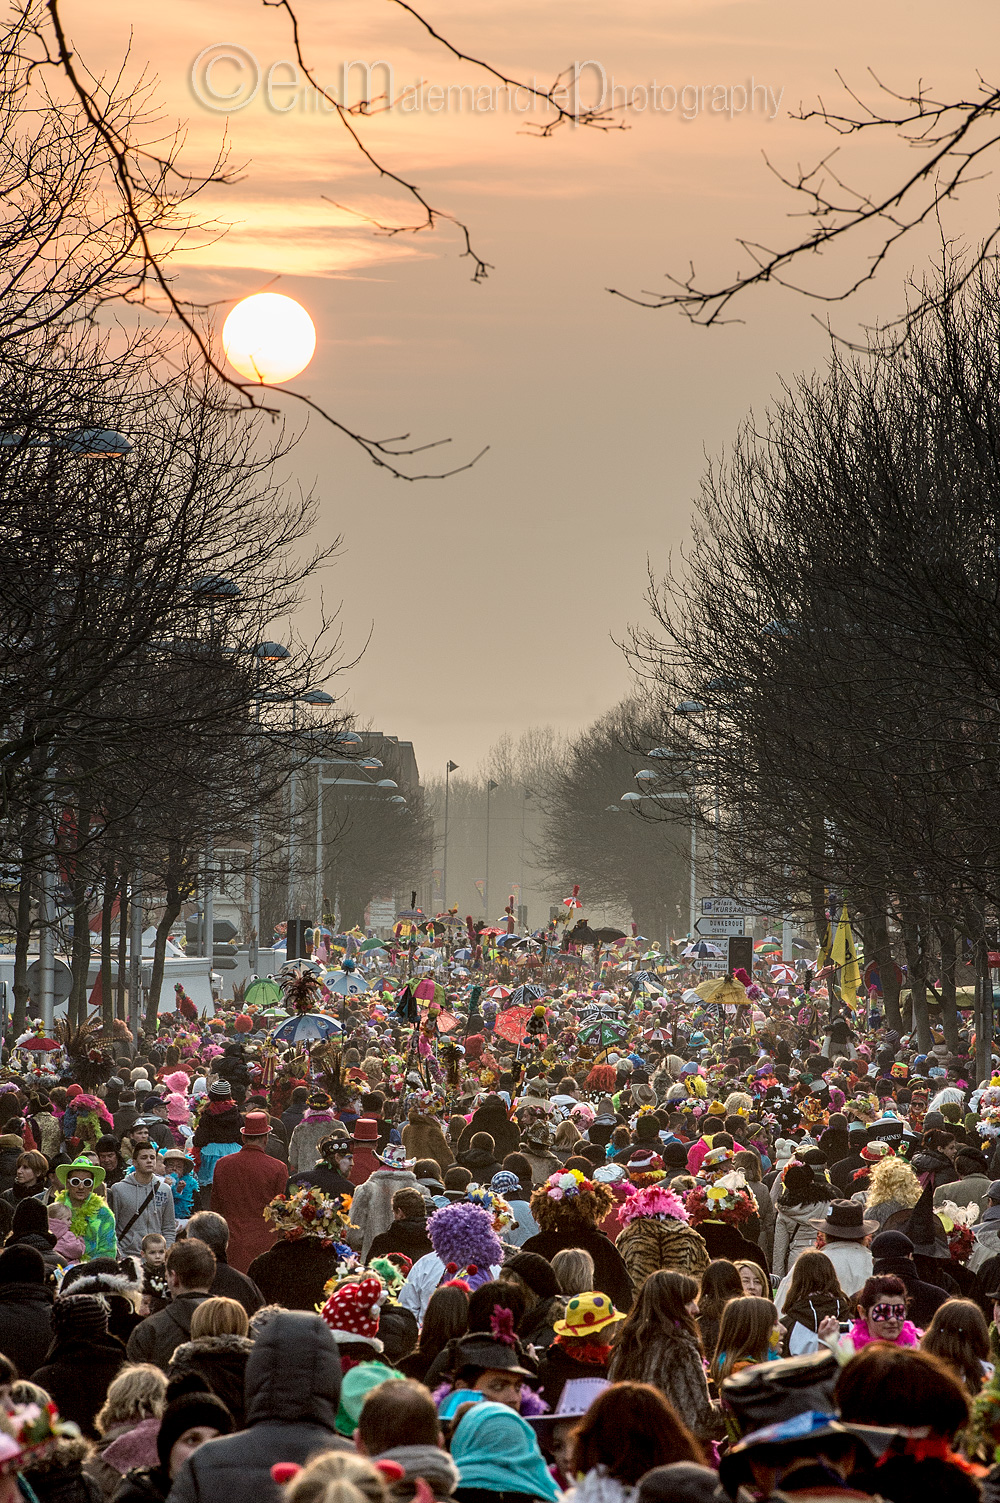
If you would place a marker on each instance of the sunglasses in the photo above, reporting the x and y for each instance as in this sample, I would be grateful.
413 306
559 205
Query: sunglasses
888 1312
77 1182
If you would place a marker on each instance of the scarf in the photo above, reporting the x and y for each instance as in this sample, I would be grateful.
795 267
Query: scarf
496 1450
860 1335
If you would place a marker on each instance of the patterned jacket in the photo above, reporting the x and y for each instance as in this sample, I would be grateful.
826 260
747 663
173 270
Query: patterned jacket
650 1243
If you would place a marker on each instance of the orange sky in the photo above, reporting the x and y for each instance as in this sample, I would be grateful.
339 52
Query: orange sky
495 597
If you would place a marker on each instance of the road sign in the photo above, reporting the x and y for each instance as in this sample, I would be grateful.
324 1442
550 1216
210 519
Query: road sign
740 905
720 927
62 980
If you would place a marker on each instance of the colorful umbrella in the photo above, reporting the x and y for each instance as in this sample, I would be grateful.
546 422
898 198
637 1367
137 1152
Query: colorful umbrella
305 1028
346 983
499 993
40 1045
607 1031
783 972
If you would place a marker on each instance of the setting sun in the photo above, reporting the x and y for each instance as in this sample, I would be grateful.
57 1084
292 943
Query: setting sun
269 337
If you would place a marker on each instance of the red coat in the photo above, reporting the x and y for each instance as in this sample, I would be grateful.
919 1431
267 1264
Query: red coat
365 1164
242 1186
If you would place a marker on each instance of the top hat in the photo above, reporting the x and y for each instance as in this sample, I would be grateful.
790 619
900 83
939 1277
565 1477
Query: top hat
257 1125
366 1130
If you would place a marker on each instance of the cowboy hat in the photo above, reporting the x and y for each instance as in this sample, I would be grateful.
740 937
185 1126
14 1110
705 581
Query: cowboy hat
844 1221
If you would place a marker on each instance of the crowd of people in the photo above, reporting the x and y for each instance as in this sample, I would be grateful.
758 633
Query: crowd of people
746 1252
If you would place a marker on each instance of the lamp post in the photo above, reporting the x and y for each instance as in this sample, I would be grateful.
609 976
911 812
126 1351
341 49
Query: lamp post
265 652
632 798
310 697
450 767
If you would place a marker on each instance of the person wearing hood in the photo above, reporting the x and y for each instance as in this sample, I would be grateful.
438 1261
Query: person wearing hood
188 1422
82 1360
496 1452
934 1161
292 1392
893 1254
25 1308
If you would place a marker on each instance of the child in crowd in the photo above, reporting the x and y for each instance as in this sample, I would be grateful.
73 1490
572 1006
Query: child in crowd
155 1293
180 1176
68 1246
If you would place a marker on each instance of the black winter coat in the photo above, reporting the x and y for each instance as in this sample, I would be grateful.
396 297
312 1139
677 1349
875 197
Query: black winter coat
218 1127
57 1475
557 1367
324 1178
482 1166
611 1276
229 1283
492 1117
292 1393
77 1374
25 1325
725 1241
408 1237
144 1484
923 1298
293 1273
156 1338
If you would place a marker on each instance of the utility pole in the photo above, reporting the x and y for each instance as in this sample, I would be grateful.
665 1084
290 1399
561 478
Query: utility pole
491 787
450 767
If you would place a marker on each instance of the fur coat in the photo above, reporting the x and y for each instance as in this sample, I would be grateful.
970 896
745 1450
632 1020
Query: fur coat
424 1139
303 1147
650 1243
371 1208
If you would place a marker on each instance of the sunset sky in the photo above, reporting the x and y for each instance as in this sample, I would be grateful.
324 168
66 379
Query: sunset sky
494 599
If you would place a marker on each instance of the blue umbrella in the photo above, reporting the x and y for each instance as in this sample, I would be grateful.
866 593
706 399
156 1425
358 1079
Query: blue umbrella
305 1028
346 983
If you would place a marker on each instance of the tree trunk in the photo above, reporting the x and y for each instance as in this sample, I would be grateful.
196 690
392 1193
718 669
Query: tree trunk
22 943
916 965
886 968
80 958
174 902
107 926
123 908
949 1012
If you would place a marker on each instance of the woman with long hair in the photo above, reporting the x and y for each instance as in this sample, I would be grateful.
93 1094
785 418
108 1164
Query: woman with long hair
628 1429
747 1335
803 1198
719 1284
446 1317
958 1334
814 1294
753 1279
660 1344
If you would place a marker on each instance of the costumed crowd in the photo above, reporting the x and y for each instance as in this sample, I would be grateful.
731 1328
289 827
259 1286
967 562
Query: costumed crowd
738 1252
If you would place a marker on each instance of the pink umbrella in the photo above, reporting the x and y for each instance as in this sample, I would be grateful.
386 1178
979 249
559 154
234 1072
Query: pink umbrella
425 990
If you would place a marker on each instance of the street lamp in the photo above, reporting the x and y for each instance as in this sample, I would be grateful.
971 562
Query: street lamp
491 787
450 767
645 776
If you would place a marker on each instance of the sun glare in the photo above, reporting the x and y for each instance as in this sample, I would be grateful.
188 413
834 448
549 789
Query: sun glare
269 337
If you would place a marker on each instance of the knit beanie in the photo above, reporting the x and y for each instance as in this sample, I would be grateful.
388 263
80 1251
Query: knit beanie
21 1265
31 1216
536 1272
184 1414
355 1388
79 1317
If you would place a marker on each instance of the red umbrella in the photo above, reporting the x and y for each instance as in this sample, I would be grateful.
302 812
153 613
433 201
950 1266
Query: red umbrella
42 1045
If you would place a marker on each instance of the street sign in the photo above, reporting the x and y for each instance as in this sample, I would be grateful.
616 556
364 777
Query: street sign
740 905
720 927
62 980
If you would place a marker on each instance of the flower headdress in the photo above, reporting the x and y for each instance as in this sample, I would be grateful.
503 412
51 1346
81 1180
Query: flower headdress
656 1202
567 1196
727 1200
308 1212
498 1210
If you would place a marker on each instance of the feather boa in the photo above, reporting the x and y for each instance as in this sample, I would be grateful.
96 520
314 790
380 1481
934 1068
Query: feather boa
82 1215
656 1200
860 1335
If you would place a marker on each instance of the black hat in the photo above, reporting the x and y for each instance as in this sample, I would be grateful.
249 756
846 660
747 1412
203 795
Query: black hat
925 1230
31 1217
536 1272
891 1245
81 1317
184 1414
481 1350
680 1482
20 1264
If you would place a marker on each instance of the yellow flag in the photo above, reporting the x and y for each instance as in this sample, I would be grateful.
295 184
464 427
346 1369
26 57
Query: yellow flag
845 957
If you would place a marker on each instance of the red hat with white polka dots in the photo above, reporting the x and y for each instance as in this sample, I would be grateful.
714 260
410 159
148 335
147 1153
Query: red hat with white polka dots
352 1311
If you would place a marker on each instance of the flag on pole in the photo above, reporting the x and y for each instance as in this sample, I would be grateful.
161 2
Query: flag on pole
845 957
